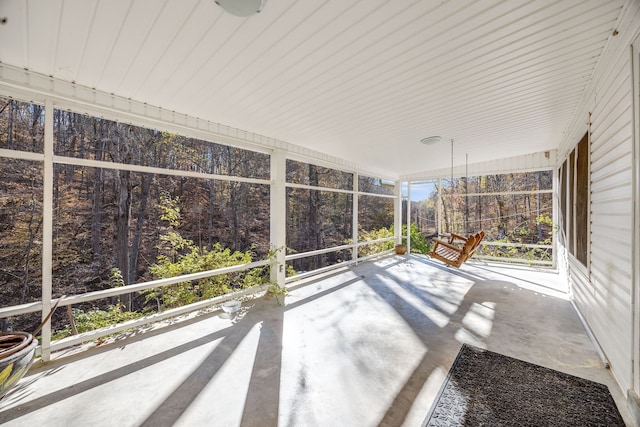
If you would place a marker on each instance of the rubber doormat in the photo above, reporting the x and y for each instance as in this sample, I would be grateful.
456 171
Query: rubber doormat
484 388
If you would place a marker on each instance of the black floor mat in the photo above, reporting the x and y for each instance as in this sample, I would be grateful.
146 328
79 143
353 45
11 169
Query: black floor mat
484 388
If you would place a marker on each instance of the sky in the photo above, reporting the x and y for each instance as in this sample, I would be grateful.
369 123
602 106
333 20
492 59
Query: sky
419 191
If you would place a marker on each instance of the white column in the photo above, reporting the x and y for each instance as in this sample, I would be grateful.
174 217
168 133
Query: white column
556 216
278 214
354 227
397 213
439 208
408 217
47 228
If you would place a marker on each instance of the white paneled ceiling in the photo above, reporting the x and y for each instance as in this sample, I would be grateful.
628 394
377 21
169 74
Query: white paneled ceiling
362 80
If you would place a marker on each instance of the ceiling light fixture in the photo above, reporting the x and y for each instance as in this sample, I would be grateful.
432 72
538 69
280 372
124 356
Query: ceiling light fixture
430 140
241 8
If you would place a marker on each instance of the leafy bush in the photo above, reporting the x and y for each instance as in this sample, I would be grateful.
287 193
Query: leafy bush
196 260
374 248
518 253
179 256
419 244
95 319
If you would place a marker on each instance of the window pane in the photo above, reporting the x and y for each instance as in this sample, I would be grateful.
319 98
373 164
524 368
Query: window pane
502 216
317 220
512 218
516 252
453 208
424 205
582 201
374 214
318 176
21 126
21 236
526 181
87 137
367 184
571 217
310 263
117 227
562 193
134 222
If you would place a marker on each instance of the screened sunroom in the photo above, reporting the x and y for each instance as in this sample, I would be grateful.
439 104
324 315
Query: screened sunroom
210 204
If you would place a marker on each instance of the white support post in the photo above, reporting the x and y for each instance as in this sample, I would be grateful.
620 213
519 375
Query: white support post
47 229
439 213
354 226
572 205
555 183
409 217
278 215
397 213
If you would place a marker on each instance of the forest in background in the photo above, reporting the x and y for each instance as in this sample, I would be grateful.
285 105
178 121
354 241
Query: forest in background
510 208
114 226
205 206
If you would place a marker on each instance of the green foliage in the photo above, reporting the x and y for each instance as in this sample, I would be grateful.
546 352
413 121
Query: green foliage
374 248
196 260
544 220
277 291
96 318
171 208
523 235
274 289
522 253
180 256
419 244
116 278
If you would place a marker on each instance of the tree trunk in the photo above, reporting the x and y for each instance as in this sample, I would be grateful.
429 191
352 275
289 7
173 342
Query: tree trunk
539 207
123 215
34 129
479 206
121 153
235 211
56 169
445 212
315 228
96 206
145 187
501 221
34 229
348 223
466 205
10 125
495 184
211 214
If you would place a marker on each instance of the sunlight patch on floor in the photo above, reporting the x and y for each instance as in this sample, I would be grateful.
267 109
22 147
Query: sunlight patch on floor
225 393
425 397
479 318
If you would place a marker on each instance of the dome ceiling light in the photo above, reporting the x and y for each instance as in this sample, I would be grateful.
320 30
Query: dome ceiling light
430 140
241 8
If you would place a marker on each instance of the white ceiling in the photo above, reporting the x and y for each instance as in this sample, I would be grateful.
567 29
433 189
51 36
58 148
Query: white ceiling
362 80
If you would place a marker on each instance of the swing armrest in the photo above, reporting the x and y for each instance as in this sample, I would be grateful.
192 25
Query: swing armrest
454 236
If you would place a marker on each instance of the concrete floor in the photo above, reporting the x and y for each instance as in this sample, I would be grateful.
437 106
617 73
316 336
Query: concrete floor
366 347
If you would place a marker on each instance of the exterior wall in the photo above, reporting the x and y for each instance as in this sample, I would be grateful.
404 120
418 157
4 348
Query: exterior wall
603 290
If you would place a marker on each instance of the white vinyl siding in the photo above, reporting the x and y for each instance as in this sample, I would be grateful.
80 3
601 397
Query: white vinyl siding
602 290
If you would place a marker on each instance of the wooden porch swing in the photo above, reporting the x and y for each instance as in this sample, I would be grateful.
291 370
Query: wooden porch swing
454 253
